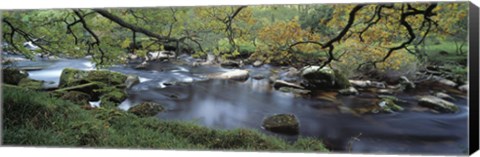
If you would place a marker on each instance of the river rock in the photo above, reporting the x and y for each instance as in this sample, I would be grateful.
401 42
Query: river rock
257 63
292 72
444 96
131 80
367 84
389 105
160 55
141 66
323 78
13 76
360 83
385 91
348 91
237 74
146 109
230 64
296 91
95 82
280 83
76 97
258 77
463 88
445 81
438 104
406 83
114 95
282 123
71 77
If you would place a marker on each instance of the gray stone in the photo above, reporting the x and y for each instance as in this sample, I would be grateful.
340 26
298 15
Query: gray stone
463 88
257 63
348 91
437 104
280 83
237 74
282 123
444 96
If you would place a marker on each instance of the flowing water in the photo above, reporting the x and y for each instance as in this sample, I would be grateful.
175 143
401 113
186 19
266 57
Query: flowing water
227 104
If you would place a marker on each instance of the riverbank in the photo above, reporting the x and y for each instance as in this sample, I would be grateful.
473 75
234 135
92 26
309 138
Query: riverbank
33 118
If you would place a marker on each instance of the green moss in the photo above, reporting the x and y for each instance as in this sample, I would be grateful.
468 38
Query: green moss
31 84
72 77
341 82
108 77
114 95
146 109
76 97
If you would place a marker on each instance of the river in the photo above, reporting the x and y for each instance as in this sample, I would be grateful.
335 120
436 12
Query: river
227 104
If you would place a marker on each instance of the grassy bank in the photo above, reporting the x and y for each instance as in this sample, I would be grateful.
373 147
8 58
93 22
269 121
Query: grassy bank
39 119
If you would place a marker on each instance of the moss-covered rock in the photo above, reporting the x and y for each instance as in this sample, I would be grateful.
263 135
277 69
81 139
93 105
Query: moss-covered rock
76 97
146 109
389 105
93 89
72 77
116 96
31 84
323 78
97 83
438 104
13 76
282 123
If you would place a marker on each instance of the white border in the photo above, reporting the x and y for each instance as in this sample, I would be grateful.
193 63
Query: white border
85 152
48 4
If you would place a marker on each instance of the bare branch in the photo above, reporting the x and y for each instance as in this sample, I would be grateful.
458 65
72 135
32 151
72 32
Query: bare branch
132 27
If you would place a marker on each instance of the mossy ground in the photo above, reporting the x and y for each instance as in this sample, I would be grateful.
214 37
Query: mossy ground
40 119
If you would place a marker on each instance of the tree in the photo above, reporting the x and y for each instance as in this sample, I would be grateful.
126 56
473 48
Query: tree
379 34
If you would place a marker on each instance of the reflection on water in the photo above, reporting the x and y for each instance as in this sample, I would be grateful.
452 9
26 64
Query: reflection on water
229 104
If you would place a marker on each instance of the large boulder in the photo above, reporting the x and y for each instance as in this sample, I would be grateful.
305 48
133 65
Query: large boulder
237 74
13 76
323 78
146 109
282 123
92 89
96 82
72 77
437 104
